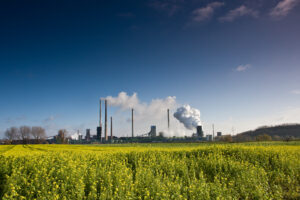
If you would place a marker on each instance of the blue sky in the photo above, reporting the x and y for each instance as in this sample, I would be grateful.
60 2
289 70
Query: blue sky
238 62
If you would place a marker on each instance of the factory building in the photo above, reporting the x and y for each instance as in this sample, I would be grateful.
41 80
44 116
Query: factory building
209 137
199 131
152 132
99 133
88 135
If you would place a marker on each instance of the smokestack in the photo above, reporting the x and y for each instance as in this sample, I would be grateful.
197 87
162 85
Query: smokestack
99 129
213 127
100 122
132 133
168 118
105 125
111 129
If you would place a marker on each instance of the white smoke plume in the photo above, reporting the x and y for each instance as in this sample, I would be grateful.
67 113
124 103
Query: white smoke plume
154 109
124 101
189 116
145 115
76 136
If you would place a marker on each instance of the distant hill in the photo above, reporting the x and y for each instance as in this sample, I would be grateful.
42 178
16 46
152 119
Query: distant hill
283 131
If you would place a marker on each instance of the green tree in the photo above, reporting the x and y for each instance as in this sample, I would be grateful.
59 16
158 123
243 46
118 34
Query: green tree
264 137
62 136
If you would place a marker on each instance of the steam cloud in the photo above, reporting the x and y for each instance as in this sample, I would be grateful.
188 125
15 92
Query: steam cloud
155 108
189 116
145 115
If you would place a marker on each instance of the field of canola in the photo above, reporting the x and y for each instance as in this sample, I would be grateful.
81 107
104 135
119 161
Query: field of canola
151 171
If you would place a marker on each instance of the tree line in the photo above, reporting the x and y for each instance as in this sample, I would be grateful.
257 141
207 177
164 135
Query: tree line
32 135
26 134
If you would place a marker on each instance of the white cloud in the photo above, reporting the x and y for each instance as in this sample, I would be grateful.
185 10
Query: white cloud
238 12
295 91
283 8
205 13
145 115
242 68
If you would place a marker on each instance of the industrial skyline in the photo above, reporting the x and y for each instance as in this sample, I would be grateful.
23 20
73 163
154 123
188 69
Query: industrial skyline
236 61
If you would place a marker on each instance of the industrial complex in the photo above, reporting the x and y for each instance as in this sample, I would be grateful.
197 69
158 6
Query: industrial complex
103 136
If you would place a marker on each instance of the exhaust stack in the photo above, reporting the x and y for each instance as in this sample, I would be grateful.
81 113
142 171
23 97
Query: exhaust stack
213 135
111 129
105 125
168 118
100 122
132 132
99 128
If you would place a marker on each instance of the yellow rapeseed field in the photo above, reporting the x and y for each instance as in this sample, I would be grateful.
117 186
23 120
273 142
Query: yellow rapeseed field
151 171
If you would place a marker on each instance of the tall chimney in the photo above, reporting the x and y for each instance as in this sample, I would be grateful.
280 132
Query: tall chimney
168 119
100 122
111 129
105 125
132 133
213 127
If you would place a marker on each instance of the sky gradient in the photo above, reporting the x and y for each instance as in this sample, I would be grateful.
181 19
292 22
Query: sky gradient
238 62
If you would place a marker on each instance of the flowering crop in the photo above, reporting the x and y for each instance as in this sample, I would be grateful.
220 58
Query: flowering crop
157 171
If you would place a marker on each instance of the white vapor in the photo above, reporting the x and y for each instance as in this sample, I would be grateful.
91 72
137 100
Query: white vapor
126 102
190 117
145 115
241 68
283 8
238 12
205 13
75 136
123 101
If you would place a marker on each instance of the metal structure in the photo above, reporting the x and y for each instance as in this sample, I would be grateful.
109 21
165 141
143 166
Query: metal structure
199 131
132 127
213 135
99 128
105 125
152 132
99 133
100 120
88 134
168 113
209 137
111 129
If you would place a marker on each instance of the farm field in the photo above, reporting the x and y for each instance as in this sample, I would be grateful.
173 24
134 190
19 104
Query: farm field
151 171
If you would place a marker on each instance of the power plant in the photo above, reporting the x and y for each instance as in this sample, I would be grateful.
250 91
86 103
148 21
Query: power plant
151 136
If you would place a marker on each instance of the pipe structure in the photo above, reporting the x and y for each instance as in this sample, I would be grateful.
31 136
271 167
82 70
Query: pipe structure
168 118
111 129
105 125
100 122
132 131
213 127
